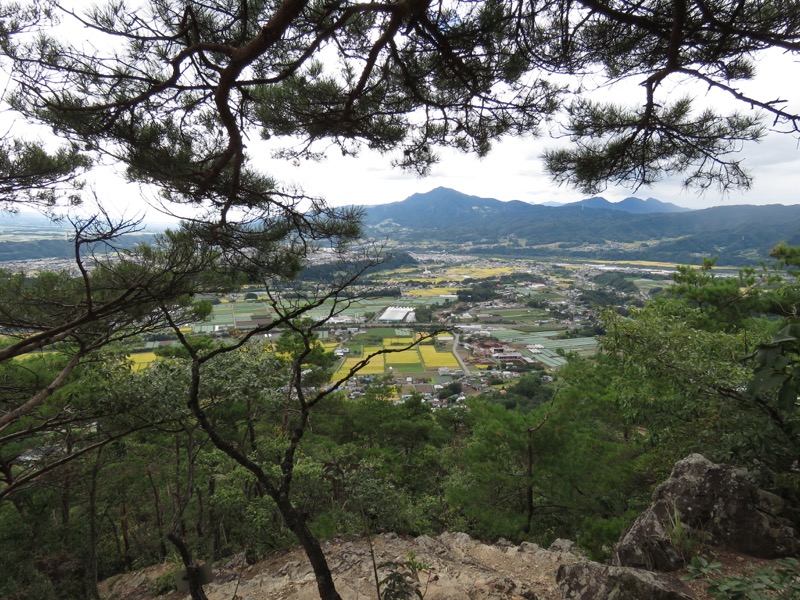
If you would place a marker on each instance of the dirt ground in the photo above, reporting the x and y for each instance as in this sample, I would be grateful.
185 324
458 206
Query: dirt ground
453 567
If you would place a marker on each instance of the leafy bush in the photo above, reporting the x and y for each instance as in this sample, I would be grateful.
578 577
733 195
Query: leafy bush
767 583
403 582
163 584
598 535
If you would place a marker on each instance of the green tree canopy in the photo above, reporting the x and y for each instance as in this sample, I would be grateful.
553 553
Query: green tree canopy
172 90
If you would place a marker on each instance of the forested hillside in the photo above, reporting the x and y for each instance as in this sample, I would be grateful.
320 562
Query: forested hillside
736 234
519 463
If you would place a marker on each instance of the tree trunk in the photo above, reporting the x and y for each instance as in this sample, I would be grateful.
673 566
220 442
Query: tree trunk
159 518
93 533
215 521
199 524
66 500
126 543
195 587
293 519
8 478
529 483
297 524
251 428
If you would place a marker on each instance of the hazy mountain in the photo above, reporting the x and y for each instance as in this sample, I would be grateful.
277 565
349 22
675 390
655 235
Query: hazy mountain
442 206
27 219
631 205
737 234
457 207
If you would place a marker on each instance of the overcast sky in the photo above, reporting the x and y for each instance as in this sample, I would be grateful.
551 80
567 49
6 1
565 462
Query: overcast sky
514 170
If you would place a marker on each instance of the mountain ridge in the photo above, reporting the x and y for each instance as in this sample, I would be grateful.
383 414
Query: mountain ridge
738 234
630 204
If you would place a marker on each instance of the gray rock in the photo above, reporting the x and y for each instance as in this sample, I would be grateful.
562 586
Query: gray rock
565 547
456 538
425 541
647 543
593 581
496 588
529 547
710 503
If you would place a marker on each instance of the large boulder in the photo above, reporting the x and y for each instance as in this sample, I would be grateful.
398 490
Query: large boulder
593 581
650 542
710 503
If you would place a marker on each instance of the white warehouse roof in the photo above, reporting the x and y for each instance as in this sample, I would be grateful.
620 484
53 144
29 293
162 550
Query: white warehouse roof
398 313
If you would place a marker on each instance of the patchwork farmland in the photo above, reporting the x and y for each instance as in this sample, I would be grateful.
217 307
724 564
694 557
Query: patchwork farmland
424 358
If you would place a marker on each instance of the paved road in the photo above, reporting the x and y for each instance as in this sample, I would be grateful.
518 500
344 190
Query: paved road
457 355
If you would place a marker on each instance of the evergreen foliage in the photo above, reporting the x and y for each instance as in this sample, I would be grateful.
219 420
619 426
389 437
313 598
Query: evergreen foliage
237 446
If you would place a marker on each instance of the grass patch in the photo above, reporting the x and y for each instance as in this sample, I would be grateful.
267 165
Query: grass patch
381 332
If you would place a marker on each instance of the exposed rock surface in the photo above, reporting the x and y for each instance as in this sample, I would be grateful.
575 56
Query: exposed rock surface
709 503
458 567
567 547
592 581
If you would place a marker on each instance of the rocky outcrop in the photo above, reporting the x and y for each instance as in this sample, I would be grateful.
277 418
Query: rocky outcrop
709 503
456 567
650 543
714 503
593 581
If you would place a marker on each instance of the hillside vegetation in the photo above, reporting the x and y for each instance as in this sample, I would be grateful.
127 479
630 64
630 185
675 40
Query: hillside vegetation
244 439
518 463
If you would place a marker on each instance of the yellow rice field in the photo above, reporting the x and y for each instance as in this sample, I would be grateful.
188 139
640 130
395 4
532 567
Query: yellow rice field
424 354
407 357
431 292
398 341
434 359
374 367
480 272
142 360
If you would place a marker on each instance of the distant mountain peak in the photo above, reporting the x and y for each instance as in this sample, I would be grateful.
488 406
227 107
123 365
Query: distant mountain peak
631 204
449 203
